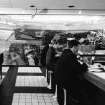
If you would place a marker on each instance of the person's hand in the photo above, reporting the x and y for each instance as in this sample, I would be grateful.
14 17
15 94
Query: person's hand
58 54
80 62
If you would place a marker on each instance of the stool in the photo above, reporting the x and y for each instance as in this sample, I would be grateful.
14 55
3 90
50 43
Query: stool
65 96
1 74
71 99
50 81
56 93
46 74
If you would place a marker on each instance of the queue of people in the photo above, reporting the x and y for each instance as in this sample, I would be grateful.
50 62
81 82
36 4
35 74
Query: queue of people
66 72
21 56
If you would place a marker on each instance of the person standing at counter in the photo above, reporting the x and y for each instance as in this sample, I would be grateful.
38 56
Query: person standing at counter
50 57
51 61
44 53
69 73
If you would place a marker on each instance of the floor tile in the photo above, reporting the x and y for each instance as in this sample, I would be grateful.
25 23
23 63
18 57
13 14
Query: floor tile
33 99
32 81
29 70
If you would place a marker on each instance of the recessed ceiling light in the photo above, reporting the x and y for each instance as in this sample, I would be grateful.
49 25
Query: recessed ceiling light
71 6
32 6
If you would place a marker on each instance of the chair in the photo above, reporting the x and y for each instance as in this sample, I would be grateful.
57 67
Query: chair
46 74
1 73
72 99
56 93
65 96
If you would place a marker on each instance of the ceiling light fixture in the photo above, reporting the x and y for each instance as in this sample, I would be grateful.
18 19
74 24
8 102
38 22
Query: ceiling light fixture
71 6
32 6
35 9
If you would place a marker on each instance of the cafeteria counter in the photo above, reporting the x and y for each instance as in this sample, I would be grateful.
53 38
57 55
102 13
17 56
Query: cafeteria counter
96 78
96 86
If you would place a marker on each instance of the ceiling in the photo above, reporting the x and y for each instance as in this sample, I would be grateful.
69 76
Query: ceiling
17 7
53 4
85 15
21 6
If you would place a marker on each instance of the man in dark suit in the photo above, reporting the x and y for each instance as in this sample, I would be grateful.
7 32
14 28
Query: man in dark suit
69 74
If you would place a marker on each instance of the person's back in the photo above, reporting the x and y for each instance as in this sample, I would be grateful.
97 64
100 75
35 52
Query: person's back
50 58
1 58
43 55
68 68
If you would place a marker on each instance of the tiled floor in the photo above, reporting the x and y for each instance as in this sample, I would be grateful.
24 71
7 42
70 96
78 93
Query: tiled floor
32 82
33 99
29 70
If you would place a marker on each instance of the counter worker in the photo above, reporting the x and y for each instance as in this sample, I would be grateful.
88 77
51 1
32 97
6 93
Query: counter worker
69 74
